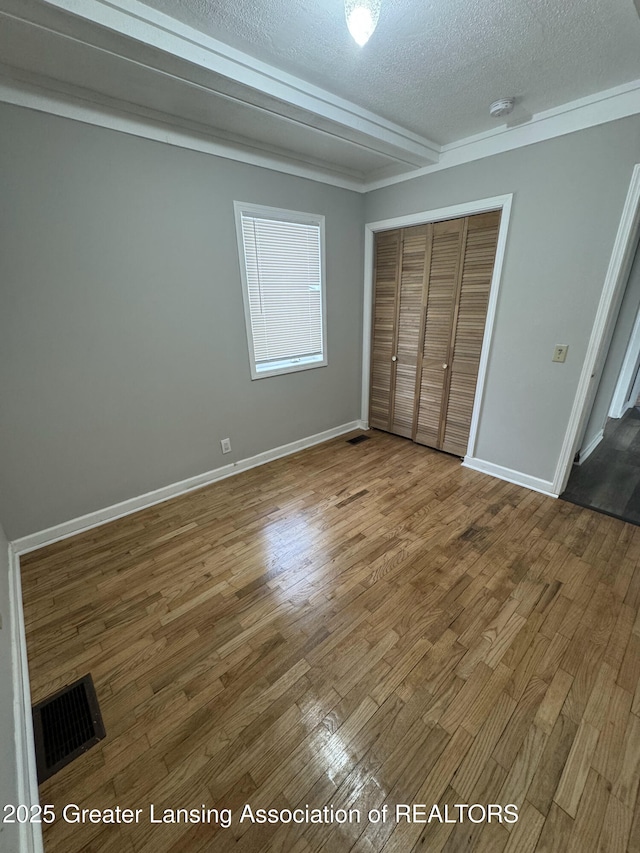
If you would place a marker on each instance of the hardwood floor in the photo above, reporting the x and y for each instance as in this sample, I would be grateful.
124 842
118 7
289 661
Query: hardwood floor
609 480
356 626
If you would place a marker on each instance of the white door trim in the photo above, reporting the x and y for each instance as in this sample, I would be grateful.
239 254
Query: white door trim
634 393
503 203
606 315
621 396
30 834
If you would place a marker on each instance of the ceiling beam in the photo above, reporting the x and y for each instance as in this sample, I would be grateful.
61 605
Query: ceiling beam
135 31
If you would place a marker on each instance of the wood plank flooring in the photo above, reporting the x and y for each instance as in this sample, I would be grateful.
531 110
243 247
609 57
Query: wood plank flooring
609 479
357 626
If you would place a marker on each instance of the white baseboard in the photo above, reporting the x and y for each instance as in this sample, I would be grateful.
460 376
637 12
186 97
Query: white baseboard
511 476
588 450
30 835
111 513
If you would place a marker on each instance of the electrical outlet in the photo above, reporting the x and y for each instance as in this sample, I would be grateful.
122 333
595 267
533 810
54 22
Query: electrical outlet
225 444
560 352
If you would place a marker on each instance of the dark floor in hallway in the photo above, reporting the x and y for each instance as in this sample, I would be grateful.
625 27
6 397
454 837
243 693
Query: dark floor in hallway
609 480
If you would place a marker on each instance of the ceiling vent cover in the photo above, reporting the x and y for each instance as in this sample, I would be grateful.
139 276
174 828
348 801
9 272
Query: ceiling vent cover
65 726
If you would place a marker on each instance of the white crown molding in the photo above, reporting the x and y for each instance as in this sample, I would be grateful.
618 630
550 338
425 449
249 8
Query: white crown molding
139 23
94 519
603 107
36 97
607 106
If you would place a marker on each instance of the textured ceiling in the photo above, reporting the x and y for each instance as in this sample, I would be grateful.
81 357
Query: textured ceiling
433 66
321 105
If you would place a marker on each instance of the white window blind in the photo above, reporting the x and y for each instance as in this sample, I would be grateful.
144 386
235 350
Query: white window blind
283 290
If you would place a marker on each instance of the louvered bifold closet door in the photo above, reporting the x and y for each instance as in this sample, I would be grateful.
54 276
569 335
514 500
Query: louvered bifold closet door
432 285
443 282
386 276
468 329
415 246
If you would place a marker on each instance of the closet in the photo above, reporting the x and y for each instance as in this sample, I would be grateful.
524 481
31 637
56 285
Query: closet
431 293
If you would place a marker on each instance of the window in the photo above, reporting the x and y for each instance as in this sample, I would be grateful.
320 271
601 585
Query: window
282 269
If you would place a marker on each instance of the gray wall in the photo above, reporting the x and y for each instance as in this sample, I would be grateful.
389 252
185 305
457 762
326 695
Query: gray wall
8 779
122 342
568 198
123 349
616 354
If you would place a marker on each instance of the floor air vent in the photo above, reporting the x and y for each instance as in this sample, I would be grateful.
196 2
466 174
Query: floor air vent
66 725
357 439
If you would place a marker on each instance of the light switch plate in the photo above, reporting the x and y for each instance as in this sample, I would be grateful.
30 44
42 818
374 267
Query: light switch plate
560 352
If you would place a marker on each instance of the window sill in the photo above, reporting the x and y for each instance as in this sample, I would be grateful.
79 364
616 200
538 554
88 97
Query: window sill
287 366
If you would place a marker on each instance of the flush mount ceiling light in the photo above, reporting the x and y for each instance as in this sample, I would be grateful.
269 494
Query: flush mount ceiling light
501 107
362 17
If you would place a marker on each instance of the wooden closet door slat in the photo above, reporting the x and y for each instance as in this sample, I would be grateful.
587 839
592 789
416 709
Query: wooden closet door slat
412 274
477 271
387 259
442 282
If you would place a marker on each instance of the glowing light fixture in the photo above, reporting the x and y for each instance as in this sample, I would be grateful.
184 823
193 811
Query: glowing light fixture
362 18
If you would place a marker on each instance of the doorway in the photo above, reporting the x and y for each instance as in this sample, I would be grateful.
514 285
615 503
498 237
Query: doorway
608 309
606 474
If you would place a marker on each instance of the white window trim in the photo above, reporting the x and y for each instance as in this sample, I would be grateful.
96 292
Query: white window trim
286 366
